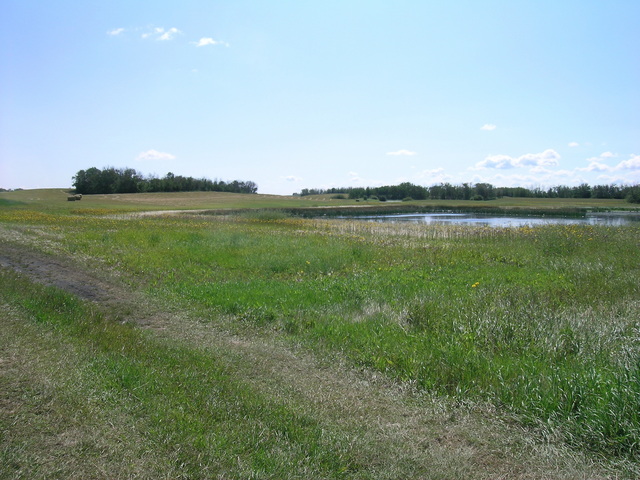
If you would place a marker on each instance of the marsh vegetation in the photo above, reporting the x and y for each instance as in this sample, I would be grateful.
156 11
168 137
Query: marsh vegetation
262 345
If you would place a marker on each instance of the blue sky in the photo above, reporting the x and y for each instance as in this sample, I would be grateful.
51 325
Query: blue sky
319 94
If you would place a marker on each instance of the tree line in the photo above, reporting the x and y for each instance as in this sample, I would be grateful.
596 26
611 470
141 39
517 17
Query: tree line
128 180
480 191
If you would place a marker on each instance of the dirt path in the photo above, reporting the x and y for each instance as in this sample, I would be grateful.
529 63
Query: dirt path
58 272
420 434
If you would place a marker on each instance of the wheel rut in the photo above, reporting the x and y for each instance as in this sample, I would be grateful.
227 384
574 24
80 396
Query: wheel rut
385 420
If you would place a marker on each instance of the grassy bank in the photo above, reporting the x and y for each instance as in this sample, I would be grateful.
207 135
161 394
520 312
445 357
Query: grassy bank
541 323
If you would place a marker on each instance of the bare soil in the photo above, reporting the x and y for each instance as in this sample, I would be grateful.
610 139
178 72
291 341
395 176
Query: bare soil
59 272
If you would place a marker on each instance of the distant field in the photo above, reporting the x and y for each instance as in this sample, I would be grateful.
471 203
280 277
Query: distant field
56 200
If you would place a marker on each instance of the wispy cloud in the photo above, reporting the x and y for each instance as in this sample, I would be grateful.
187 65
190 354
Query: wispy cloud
632 178
157 33
162 34
354 177
596 164
169 34
544 159
154 32
402 153
205 41
488 126
292 178
573 144
154 155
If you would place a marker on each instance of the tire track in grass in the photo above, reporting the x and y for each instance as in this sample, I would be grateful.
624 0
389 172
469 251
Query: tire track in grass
399 433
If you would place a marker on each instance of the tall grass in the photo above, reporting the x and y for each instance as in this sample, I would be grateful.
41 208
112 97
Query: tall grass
540 321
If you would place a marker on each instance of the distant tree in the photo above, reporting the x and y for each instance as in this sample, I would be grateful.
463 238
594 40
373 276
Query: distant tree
582 191
467 191
127 180
485 190
633 194
87 181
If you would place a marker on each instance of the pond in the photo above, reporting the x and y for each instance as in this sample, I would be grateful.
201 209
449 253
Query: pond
492 220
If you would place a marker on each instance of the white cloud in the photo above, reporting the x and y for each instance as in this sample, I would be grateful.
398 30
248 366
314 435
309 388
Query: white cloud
169 34
154 155
402 152
161 34
632 164
488 127
203 42
627 179
292 178
574 144
496 161
547 158
595 166
544 159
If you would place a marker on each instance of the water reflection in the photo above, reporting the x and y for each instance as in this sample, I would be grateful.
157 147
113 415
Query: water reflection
609 219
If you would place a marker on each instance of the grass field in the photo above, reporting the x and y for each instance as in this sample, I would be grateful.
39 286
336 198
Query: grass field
55 200
261 345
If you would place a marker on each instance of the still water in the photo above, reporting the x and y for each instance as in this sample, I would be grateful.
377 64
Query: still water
610 219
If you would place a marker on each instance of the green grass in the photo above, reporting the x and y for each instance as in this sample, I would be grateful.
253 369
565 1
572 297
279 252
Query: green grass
539 322
187 406
55 201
